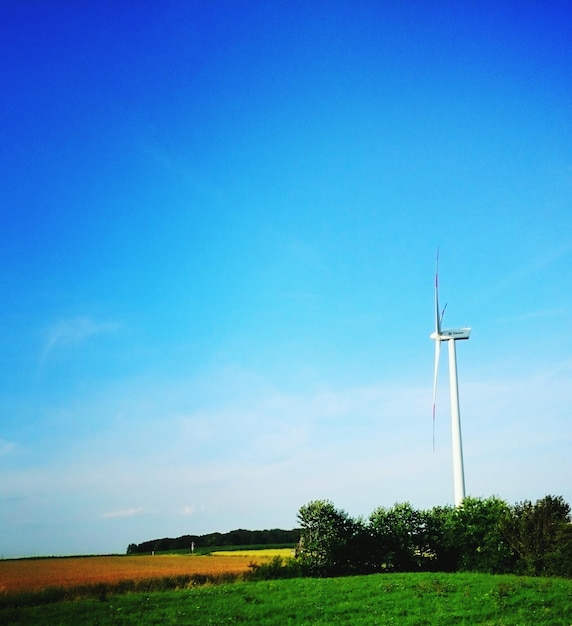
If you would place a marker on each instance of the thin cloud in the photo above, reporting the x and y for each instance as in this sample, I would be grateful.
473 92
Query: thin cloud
192 509
361 446
7 447
189 510
72 332
124 513
533 267
534 315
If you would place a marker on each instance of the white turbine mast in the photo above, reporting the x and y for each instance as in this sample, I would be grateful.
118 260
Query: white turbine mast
451 335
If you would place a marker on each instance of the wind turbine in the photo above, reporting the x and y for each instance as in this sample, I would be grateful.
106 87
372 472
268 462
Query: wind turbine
451 335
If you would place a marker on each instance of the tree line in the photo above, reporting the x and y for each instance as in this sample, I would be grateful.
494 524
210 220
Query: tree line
482 535
239 537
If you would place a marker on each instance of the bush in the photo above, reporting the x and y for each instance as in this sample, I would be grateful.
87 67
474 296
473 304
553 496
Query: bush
274 569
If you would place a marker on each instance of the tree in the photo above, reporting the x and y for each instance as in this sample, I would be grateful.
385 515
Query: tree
540 535
330 539
477 532
559 561
398 538
439 545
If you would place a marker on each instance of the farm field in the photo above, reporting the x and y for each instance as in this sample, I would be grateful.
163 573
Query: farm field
405 599
27 575
257 555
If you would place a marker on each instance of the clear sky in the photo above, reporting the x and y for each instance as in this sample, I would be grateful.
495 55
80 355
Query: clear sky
218 232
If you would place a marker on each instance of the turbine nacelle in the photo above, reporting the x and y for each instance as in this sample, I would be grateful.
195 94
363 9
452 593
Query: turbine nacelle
451 333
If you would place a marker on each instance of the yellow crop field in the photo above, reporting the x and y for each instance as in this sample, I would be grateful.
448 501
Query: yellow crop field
39 574
258 555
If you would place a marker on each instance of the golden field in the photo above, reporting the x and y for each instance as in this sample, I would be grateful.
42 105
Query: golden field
39 574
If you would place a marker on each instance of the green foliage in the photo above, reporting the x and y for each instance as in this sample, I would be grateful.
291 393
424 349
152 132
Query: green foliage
397 538
541 535
329 540
559 561
439 547
274 569
412 599
476 530
482 535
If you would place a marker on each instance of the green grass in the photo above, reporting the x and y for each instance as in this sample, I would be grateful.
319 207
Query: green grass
404 599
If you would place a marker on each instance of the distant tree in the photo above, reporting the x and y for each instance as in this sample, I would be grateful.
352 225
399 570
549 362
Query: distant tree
238 537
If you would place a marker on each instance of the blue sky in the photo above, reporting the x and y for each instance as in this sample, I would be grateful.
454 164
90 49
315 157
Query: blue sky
218 233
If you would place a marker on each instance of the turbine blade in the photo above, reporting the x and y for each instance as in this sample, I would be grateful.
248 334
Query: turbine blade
438 316
437 354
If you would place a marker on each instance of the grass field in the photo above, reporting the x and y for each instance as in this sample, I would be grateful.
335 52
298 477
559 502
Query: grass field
404 599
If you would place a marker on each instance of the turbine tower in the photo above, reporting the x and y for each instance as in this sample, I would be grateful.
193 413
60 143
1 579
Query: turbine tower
451 336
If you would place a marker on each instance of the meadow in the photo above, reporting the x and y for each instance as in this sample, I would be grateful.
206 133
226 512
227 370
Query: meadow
405 599
408 598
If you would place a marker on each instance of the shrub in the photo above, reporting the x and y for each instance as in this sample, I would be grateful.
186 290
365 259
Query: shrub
274 569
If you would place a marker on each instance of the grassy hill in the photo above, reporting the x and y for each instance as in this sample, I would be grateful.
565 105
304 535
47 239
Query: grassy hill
405 599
